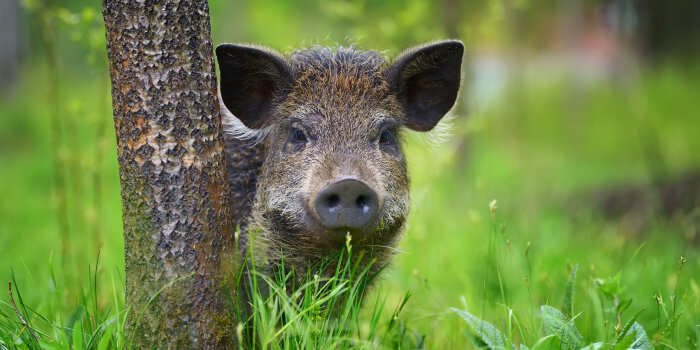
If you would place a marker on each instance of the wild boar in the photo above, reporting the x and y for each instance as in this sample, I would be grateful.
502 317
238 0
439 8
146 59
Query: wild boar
313 143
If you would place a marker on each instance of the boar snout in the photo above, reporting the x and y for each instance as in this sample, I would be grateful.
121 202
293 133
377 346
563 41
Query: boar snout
346 205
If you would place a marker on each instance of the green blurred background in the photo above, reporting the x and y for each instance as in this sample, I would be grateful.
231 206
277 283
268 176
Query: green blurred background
580 117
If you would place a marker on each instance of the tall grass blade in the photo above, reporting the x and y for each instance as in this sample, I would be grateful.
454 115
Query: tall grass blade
77 336
671 324
568 304
627 327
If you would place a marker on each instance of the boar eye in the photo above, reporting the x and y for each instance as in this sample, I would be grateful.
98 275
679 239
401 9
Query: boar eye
386 137
298 136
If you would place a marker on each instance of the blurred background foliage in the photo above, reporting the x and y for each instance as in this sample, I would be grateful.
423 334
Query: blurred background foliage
581 117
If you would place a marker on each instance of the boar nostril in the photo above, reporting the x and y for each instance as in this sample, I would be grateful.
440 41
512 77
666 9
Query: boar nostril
362 203
333 201
346 204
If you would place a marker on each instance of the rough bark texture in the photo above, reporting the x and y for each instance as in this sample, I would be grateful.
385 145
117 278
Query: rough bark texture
178 222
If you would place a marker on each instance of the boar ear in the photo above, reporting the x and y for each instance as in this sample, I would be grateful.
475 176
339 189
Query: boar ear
250 79
426 81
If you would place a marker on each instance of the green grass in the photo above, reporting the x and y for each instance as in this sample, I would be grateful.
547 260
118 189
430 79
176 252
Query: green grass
326 313
533 152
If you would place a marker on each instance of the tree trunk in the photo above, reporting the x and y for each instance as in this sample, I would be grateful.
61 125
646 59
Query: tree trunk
178 227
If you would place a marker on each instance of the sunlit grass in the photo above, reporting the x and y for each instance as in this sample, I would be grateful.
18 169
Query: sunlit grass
325 312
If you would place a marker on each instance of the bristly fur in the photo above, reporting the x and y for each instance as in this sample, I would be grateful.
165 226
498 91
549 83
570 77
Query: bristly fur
329 59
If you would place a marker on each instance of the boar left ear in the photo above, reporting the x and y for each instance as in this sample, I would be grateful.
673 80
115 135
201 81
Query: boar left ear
251 78
426 81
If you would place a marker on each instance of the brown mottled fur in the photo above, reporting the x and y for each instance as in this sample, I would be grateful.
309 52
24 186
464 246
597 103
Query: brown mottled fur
342 99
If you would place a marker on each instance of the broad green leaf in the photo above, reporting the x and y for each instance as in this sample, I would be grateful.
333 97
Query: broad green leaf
106 337
555 323
544 340
641 341
626 342
476 341
48 345
484 331
524 347
568 305
77 336
594 346
633 337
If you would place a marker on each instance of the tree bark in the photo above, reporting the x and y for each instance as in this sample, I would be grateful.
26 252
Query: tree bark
178 224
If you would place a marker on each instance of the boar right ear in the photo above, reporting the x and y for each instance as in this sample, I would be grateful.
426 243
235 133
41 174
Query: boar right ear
426 81
250 79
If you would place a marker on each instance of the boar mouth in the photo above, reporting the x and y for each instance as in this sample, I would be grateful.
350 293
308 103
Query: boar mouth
311 231
338 237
